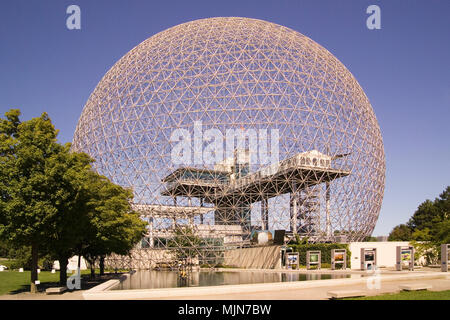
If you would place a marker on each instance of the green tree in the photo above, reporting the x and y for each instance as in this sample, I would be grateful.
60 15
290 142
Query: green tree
400 233
426 216
443 204
69 172
27 198
428 227
95 217
52 201
185 243
442 234
113 226
422 235
3 250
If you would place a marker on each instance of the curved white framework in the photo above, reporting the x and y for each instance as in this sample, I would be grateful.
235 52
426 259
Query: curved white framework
239 73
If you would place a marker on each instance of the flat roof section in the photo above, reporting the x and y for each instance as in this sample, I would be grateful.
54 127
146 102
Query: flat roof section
268 182
163 211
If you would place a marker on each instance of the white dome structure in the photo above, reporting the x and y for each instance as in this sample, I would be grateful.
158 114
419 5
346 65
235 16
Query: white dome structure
166 120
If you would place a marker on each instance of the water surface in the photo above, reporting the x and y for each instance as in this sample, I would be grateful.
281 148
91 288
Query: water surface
171 279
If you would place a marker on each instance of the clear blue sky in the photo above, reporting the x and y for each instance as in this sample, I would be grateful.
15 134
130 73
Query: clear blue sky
404 68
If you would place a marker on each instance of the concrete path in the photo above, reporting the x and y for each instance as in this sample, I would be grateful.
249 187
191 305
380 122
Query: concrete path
75 295
318 293
299 290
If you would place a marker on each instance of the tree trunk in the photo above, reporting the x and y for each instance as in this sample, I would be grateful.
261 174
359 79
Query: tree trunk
102 265
63 262
92 264
34 267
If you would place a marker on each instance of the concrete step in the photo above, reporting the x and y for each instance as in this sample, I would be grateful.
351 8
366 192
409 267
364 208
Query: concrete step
337 294
56 290
415 286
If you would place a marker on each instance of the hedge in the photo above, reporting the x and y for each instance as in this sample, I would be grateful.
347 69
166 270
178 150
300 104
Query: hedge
325 249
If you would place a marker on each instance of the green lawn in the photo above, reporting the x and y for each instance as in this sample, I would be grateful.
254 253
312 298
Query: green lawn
410 295
15 282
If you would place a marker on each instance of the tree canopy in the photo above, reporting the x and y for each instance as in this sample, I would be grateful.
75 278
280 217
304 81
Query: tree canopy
428 223
28 197
428 227
52 201
114 227
400 233
183 241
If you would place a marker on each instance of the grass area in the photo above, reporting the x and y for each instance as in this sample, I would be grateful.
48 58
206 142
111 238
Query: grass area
12 282
410 295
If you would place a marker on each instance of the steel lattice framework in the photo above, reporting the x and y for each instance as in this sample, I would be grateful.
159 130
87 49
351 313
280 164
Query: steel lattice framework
242 74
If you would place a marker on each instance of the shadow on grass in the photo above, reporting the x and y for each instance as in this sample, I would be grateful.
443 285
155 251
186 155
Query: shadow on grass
86 284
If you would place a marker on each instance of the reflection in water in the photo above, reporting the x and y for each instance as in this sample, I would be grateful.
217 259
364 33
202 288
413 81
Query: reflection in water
170 279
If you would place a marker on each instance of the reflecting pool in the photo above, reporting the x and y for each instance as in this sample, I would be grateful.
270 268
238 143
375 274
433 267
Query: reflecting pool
171 279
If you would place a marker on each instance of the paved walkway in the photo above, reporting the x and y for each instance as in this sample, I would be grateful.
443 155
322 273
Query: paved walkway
75 295
316 290
318 293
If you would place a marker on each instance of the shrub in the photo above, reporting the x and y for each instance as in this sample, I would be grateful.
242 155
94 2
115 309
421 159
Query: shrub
3 249
21 258
46 263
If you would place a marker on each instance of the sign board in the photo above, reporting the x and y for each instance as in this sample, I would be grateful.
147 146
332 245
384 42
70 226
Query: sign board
292 260
445 257
338 257
405 257
313 258
368 258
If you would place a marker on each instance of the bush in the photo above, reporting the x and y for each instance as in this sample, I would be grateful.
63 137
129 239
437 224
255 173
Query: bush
21 258
46 263
10 264
324 248
3 249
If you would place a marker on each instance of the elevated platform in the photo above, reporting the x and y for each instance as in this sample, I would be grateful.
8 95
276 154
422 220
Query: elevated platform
164 211
291 174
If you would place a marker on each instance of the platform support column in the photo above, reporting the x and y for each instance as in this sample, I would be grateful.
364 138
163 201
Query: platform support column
294 207
327 198
265 214
151 238
201 215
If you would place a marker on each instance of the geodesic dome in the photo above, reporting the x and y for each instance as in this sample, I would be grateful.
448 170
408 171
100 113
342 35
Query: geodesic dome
318 169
